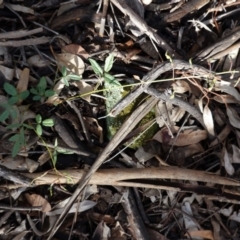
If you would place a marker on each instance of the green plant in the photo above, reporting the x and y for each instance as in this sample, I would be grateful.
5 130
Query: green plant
46 123
9 105
18 138
9 111
41 90
66 77
15 96
109 80
113 91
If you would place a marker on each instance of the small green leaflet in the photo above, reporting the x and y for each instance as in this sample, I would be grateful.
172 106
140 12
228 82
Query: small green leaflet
16 148
23 95
42 85
108 63
64 71
39 130
65 81
96 67
74 77
49 93
13 100
48 122
14 138
33 91
38 118
4 115
10 89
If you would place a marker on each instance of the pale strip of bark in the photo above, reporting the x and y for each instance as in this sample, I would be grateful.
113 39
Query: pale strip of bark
120 176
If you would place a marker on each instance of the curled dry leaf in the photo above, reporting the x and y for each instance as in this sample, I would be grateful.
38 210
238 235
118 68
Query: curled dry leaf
201 234
26 114
73 63
66 7
227 88
7 72
74 121
208 120
75 49
63 132
185 137
165 111
227 162
221 136
36 200
146 2
226 211
230 59
200 104
93 127
180 86
190 225
236 154
233 117
37 61
57 89
225 99
192 149
117 232
84 89
235 216
44 158
83 206
102 231
218 117
20 8
143 156
19 163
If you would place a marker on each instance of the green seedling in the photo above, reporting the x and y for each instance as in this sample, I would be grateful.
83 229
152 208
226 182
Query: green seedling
109 80
46 123
112 89
18 138
9 106
41 91
67 77
15 96
9 111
